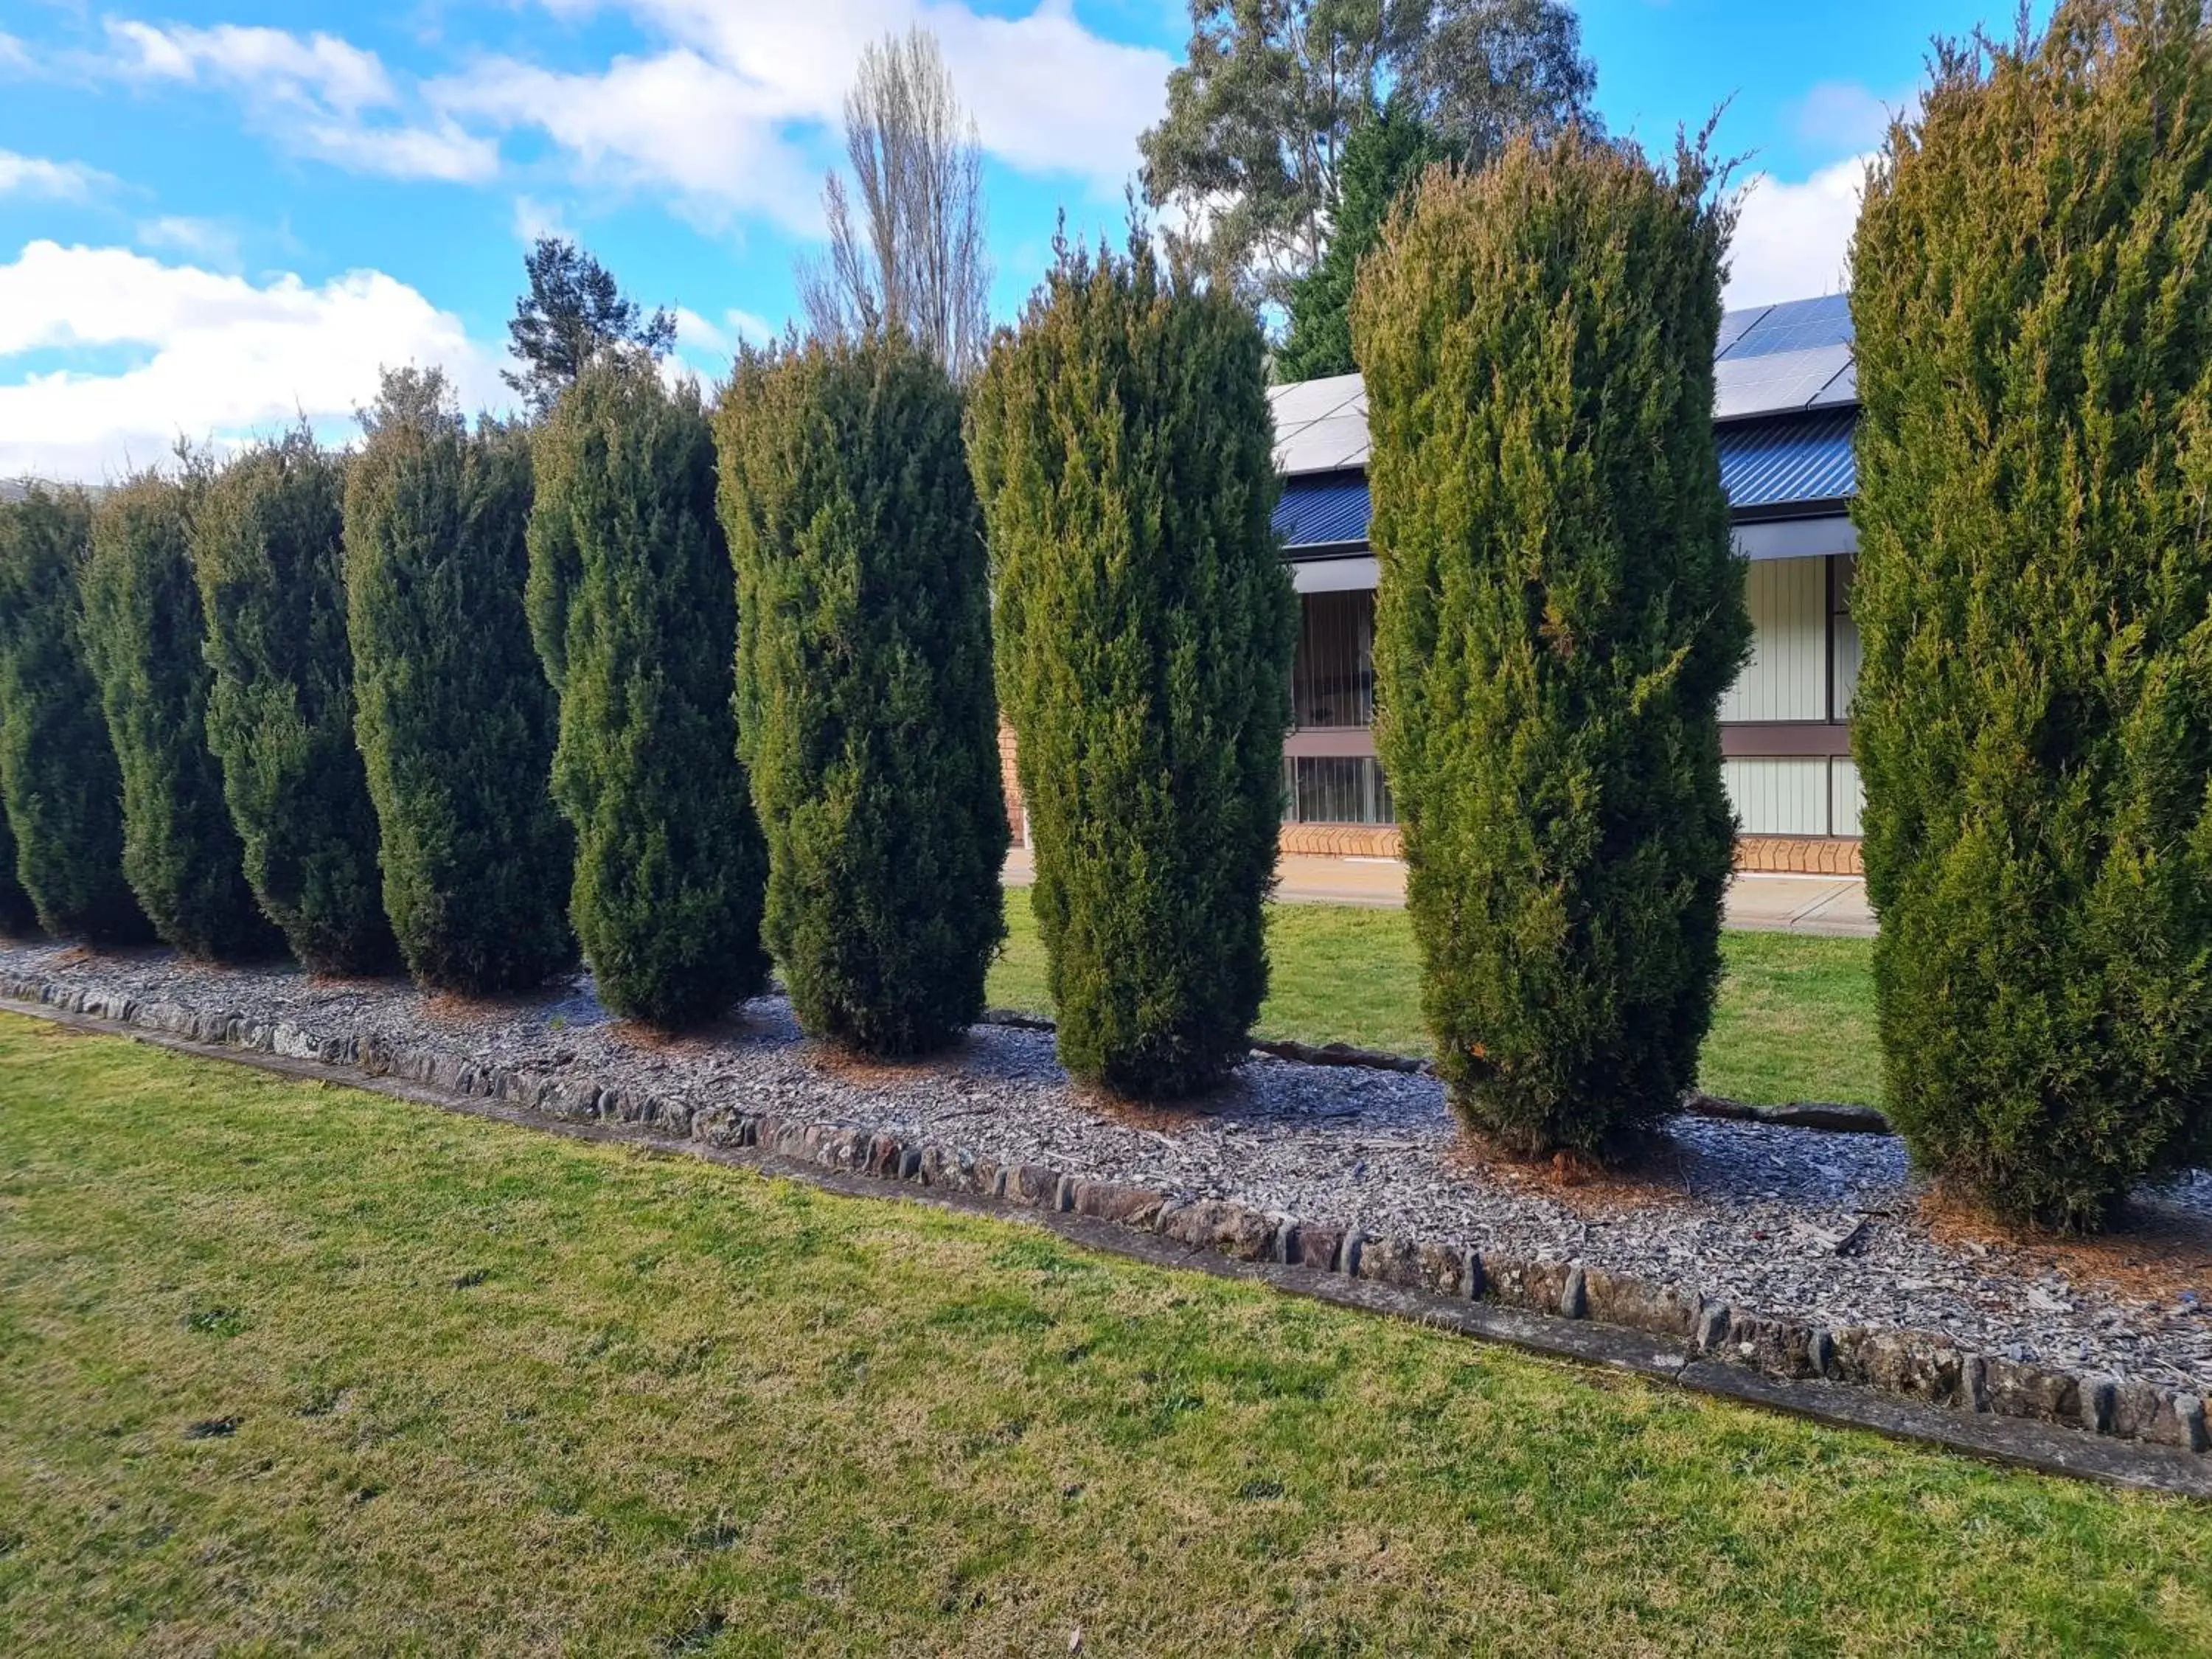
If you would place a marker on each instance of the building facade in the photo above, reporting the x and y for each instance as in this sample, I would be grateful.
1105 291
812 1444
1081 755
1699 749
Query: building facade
1785 401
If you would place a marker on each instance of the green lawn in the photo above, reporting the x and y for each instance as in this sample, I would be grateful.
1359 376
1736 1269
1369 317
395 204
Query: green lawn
1795 1019
287 1368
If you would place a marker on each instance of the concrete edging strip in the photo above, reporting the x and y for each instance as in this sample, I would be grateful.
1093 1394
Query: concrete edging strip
1433 1286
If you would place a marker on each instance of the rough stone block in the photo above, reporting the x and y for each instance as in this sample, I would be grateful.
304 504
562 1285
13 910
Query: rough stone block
950 1167
1211 1225
1391 1261
1032 1186
1444 1269
1916 1366
1516 1282
1574 1295
1315 1247
1640 1305
2144 1411
2016 1389
1107 1200
1779 1347
884 1152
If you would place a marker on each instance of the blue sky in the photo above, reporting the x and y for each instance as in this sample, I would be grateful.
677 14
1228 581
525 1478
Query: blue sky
213 213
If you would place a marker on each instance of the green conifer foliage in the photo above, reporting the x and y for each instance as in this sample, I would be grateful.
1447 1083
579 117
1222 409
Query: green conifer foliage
1385 155
632 609
147 645
1121 439
58 770
452 711
1559 615
17 916
269 558
2034 722
865 705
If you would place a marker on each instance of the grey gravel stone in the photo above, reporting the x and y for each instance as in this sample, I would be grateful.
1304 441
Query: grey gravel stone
1737 1212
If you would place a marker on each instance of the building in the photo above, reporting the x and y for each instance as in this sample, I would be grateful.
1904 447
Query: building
1786 399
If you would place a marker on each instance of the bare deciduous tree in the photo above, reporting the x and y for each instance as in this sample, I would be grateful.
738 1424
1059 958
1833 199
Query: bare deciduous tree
912 256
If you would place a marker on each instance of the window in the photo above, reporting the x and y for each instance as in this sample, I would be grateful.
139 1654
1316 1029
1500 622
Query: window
1333 676
1336 789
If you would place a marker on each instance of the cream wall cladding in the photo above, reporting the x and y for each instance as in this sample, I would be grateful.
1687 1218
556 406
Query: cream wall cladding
1787 675
1779 797
1846 796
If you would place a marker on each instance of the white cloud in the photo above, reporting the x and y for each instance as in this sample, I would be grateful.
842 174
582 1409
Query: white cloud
534 219
31 175
215 356
321 95
675 120
720 114
1848 115
208 241
14 54
696 332
1793 240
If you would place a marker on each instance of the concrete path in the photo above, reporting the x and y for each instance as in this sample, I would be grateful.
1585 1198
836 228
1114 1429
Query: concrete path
1786 904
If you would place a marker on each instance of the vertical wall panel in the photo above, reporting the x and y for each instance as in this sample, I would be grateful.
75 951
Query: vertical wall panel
1778 796
1845 668
1845 797
1787 679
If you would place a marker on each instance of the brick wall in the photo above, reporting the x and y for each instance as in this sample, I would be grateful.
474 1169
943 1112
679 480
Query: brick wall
1009 780
1810 855
1364 840
1803 855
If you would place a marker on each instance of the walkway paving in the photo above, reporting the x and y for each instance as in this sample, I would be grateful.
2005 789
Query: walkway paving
1785 904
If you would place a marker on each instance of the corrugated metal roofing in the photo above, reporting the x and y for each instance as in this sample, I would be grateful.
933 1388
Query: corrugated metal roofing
1769 360
1784 460
1789 460
1324 509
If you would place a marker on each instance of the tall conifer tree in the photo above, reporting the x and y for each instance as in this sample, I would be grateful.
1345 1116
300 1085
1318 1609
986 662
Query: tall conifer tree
2032 291
146 640
269 558
1121 443
1559 613
632 610
865 704
58 770
452 711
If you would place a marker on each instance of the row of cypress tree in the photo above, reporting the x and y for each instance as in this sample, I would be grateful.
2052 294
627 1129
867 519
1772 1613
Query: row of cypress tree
1560 614
340 684
294 699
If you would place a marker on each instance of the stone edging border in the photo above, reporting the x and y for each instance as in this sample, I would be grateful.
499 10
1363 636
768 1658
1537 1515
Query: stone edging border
1922 1369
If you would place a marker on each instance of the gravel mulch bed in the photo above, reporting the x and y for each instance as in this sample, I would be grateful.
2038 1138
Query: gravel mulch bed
1794 1223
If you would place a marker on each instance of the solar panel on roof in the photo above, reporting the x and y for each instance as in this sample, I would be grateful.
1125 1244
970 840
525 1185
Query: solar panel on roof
1321 446
1763 384
1733 324
1798 326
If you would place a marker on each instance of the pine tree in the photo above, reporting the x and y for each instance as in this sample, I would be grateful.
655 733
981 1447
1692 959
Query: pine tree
1559 615
2032 295
57 769
147 645
865 706
1144 622
452 711
268 556
1385 155
631 608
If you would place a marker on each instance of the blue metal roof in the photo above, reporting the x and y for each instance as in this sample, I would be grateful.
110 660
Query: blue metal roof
1789 460
1782 461
1321 509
